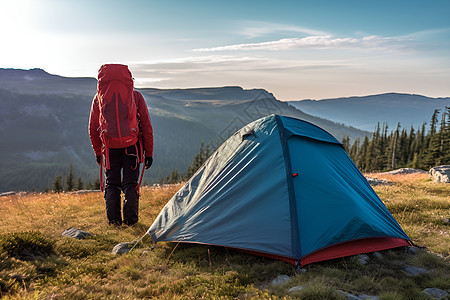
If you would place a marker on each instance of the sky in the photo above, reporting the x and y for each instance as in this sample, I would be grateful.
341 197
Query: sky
294 49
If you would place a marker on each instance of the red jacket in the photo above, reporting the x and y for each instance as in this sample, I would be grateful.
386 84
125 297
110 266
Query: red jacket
145 124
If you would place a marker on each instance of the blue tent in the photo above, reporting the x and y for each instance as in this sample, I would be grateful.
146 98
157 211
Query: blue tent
283 188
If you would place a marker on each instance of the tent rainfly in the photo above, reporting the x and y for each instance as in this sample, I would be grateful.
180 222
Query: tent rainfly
283 188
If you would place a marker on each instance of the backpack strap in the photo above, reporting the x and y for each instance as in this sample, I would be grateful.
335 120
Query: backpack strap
141 156
105 143
139 159
140 180
142 160
104 161
102 186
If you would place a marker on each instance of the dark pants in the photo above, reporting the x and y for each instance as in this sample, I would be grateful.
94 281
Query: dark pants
122 160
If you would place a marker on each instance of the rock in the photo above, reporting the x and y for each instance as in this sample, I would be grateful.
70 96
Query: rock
405 171
84 192
7 193
299 270
436 293
281 279
368 297
122 248
376 181
353 297
363 259
76 233
347 295
378 255
296 289
415 271
440 174
413 250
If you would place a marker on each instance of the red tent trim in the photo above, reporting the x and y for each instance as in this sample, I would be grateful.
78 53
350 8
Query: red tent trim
354 247
340 250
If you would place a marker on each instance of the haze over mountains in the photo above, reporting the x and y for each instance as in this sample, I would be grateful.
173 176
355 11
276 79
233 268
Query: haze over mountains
365 112
44 117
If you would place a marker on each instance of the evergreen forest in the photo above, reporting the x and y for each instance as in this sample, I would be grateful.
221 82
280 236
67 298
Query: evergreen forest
389 149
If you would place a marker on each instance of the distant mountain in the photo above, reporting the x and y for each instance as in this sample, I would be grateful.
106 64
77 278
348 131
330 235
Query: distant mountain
37 81
44 118
365 112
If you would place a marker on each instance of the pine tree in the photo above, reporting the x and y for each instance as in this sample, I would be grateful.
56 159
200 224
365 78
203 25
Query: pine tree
433 151
416 163
369 158
403 149
446 138
57 184
208 151
200 158
434 120
440 140
96 184
421 147
79 183
375 151
174 177
384 145
394 142
361 162
412 140
354 150
198 161
346 143
70 183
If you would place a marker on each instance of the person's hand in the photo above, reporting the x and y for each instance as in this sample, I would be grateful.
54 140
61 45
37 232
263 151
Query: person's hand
98 158
148 162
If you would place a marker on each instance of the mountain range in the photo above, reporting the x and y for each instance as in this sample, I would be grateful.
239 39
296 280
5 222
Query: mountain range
365 112
44 118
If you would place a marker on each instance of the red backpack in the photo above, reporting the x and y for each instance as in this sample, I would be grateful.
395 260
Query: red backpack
119 124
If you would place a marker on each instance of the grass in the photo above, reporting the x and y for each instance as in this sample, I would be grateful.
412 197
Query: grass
421 207
36 262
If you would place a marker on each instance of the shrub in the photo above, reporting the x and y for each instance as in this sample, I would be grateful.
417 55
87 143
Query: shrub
26 245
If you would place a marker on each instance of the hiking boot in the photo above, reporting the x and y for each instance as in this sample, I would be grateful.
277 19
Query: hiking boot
117 223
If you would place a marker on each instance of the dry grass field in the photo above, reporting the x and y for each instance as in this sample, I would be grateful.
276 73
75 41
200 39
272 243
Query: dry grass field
36 262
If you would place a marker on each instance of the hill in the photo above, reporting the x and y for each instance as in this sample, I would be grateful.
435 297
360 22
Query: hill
44 117
37 262
365 112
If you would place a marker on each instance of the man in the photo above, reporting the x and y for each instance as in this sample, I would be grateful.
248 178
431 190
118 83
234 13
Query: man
121 135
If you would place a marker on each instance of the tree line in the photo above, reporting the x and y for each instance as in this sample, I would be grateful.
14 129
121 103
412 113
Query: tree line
202 155
421 148
69 183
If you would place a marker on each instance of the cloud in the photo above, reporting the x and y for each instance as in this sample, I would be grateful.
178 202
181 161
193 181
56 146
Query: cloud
436 33
253 29
286 77
224 63
223 70
199 63
187 70
317 42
